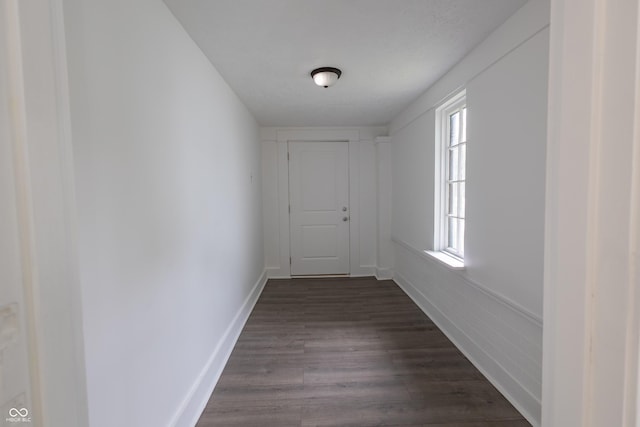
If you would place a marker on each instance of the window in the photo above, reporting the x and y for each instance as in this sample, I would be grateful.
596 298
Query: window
451 159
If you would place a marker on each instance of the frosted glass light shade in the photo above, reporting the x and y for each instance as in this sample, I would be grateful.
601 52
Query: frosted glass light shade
326 76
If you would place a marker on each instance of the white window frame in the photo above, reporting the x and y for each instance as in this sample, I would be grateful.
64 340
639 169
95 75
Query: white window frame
441 245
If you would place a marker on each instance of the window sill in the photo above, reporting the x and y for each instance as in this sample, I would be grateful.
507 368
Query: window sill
446 260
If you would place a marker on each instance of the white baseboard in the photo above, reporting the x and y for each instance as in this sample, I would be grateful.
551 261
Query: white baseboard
513 391
277 273
196 399
384 273
363 271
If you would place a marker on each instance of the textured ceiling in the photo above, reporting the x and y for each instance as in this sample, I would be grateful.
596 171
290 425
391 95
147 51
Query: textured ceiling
389 51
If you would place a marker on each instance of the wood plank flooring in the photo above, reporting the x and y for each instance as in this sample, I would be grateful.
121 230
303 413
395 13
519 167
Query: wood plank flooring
349 352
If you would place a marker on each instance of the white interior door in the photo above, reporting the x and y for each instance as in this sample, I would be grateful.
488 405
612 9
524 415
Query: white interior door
319 200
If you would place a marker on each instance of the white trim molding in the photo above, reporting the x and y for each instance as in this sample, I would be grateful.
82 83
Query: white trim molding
44 166
501 338
352 137
195 401
442 246
513 306
591 305
486 362
384 273
446 260
369 195
274 273
531 19
384 245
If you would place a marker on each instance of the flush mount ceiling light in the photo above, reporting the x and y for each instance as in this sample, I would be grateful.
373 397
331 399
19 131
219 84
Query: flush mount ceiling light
326 76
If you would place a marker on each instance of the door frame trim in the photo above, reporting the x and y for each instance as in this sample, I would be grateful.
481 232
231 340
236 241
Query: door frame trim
352 137
592 227
45 184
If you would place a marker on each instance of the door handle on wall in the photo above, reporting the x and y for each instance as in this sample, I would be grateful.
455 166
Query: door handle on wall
344 209
345 218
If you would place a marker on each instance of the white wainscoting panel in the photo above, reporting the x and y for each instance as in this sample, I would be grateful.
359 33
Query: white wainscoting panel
503 342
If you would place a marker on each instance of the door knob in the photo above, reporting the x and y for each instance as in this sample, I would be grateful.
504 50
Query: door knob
345 218
344 209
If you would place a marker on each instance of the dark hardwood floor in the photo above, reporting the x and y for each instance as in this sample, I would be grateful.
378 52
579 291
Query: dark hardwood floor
349 352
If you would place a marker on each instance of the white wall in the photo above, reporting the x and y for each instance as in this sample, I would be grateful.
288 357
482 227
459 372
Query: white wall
493 309
167 171
363 167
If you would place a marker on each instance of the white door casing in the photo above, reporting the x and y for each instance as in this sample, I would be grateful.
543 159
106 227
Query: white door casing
41 306
15 387
591 338
320 212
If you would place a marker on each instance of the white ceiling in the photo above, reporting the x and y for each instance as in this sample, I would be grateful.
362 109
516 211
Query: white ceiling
390 51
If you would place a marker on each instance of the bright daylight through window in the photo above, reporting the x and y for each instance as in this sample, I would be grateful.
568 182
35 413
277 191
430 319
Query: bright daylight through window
451 141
